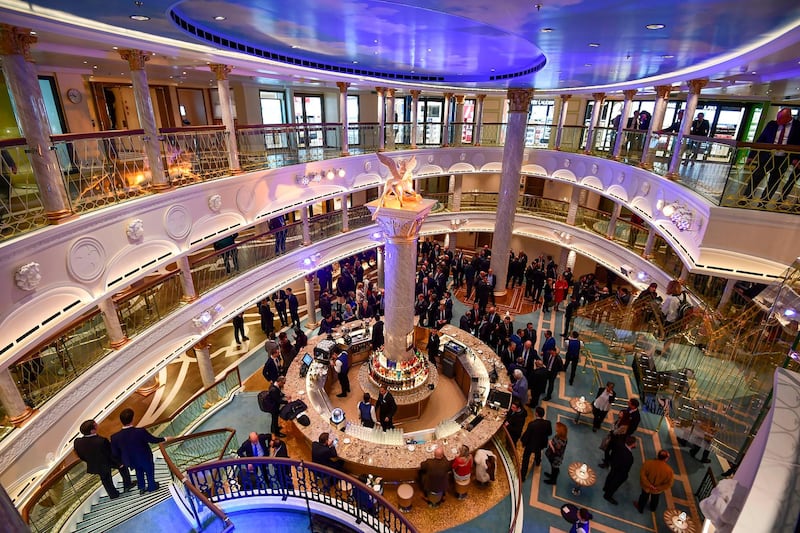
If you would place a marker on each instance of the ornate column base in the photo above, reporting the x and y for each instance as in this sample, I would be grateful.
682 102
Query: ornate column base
345 153
647 165
161 187
59 217
188 299
116 345
24 416
236 171
501 292
149 388
672 176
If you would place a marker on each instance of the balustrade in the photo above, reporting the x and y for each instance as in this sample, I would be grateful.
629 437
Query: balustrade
145 303
195 154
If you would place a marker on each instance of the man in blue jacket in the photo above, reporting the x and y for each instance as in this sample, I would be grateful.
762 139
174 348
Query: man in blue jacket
132 446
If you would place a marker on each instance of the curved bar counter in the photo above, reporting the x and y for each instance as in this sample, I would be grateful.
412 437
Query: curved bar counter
368 453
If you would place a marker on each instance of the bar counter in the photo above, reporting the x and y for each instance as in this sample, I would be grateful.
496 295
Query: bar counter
400 462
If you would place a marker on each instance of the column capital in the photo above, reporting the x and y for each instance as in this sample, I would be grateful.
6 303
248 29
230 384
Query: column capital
202 344
519 100
390 92
695 86
16 41
220 70
400 223
662 91
415 93
480 97
565 97
380 90
599 96
342 85
459 99
135 58
448 96
630 93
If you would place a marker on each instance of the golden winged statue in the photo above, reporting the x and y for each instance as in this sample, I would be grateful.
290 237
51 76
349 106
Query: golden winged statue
400 184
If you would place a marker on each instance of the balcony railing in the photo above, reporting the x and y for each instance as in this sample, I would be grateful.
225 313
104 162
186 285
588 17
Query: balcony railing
63 492
147 302
21 208
195 154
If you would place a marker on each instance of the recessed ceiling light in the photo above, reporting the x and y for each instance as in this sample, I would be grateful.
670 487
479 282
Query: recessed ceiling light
184 72
375 41
547 30
295 46
85 62
140 18
219 17
655 26
376 52
587 65
355 62
594 45
754 72
667 56
94 66
33 33
492 70
429 49
115 47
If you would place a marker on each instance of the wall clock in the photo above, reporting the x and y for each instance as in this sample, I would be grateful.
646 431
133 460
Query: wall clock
74 96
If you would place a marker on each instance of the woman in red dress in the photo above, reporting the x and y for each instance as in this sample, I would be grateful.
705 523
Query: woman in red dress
560 291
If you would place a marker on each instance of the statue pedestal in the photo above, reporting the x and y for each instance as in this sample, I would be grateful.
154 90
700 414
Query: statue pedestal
400 227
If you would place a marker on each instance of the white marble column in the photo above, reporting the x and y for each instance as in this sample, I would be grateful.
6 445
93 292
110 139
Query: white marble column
727 293
571 257
478 128
306 226
226 107
695 86
598 106
456 187
202 351
343 115
656 123
136 59
345 214
563 258
578 199
459 128
508 195
623 122
12 400
400 227
648 245
311 306
612 222
116 337
23 85
562 118
391 118
187 283
379 255
446 125
414 117
381 118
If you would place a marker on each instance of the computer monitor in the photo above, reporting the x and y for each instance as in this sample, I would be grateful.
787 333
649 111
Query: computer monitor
307 359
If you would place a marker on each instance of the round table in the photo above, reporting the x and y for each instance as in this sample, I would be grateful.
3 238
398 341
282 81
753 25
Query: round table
580 407
580 478
674 523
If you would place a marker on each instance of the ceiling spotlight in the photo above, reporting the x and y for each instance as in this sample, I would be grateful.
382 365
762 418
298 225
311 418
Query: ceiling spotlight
655 26
667 56
219 17
355 62
594 45
140 18
295 46
32 33
789 312
754 72
547 30
587 65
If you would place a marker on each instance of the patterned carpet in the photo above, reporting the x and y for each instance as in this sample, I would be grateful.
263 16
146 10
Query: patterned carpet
512 301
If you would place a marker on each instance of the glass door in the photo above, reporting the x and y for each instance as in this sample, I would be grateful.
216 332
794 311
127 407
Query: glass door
430 120
308 110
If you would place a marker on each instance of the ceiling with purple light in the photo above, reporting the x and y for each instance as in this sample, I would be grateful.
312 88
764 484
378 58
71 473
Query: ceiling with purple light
546 44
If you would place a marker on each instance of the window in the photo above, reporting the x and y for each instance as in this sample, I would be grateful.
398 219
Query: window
353 118
273 108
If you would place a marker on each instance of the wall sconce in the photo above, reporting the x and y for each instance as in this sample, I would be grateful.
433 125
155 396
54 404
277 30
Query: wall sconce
204 319
563 236
643 276
456 223
311 260
679 214
316 177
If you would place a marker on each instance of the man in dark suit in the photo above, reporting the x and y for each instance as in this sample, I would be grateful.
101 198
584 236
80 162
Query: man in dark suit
323 452
433 346
443 316
535 440
554 365
529 334
279 299
515 420
385 407
277 399
621 462
377 332
238 329
96 452
257 445
132 446
294 306
537 382
784 130
549 343
626 424
273 367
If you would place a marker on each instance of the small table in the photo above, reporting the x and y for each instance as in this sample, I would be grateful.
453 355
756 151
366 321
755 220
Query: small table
580 407
672 518
581 477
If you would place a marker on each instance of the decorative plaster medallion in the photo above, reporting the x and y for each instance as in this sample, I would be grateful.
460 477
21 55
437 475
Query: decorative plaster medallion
135 230
645 188
177 222
86 259
244 199
595 168
215 202
28 276
462 157
567 163
621 178
367 166
430 158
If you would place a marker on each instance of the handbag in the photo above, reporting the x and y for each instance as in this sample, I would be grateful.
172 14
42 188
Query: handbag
606 441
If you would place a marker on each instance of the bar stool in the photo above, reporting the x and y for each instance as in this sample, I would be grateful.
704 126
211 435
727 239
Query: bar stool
461 489
405 493
435 498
